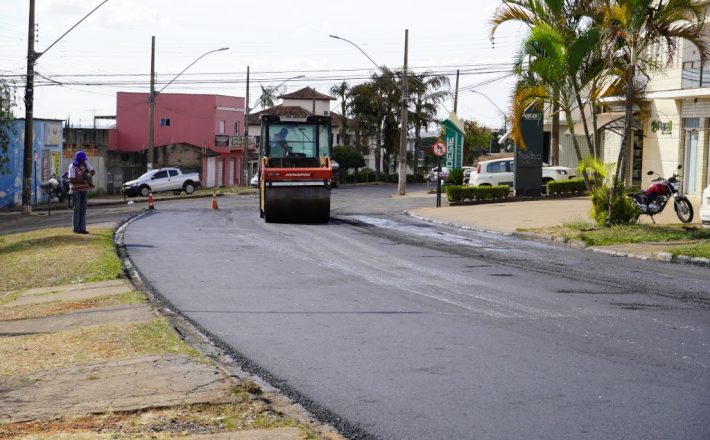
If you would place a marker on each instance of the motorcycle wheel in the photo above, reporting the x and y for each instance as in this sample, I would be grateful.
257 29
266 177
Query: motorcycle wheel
684 210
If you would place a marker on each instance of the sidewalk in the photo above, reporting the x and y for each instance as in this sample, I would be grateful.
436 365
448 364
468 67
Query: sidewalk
99 360
516 217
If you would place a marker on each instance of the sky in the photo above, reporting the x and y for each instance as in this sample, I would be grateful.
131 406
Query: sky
110 51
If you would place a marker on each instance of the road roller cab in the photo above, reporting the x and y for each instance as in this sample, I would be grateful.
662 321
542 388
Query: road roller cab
295 169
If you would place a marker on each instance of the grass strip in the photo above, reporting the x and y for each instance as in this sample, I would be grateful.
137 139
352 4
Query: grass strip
56 256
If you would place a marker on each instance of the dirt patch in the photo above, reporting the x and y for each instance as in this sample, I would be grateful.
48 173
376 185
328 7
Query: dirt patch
24 355
244 413
118 314
52 308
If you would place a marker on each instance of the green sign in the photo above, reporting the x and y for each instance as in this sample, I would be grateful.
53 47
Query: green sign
454 142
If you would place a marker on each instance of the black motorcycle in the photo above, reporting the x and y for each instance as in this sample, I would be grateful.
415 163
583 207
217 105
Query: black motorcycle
57 188
652 201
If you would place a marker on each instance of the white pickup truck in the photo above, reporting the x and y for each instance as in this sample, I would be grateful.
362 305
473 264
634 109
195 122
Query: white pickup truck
162 180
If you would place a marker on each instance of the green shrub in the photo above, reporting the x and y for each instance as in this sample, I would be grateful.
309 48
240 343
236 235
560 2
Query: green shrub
455 177
623 211
458 193
566 186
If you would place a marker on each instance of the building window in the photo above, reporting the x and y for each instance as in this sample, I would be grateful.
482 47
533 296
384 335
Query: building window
236 128
165 122
221 127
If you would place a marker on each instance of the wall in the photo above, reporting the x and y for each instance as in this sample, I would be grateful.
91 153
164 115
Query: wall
321 106
660 150
47 143
93 142
194 119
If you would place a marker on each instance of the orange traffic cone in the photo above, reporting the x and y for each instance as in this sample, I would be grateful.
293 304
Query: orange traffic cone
214 200
151 205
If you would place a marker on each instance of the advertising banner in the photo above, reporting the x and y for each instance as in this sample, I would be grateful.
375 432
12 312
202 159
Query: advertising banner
528 158
454 142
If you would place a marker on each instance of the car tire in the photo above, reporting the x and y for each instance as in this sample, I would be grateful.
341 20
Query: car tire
188 187
145 190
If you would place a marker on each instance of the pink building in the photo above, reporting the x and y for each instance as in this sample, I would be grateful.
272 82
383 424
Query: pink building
212 124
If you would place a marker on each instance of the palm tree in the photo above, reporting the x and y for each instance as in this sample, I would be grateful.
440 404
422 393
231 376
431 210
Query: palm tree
426 95
267 97
631 28
531 13
549 65
341 91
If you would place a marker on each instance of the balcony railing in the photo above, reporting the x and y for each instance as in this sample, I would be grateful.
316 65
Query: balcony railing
233 142
695 75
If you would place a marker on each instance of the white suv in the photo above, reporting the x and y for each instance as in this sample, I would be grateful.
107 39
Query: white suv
500 172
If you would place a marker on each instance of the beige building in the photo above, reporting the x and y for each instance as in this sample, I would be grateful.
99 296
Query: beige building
674 126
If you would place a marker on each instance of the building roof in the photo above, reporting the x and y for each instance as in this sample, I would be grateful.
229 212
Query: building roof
289 111
307 93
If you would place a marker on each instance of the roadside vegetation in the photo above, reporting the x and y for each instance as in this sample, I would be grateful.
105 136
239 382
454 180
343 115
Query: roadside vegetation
39 271
56 256
578 53
690 240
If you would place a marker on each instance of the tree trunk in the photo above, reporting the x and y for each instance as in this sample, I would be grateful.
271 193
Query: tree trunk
575 143
555 134
590 145
628 114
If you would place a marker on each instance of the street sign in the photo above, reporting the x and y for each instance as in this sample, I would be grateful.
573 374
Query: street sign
36 157
439 149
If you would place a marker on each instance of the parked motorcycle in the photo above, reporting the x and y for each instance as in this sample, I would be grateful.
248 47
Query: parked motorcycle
652 201
57 188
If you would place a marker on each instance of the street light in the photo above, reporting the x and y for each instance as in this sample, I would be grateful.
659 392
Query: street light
505 117
402 181
32 57
153 94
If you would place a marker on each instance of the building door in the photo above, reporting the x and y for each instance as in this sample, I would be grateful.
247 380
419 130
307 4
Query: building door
690 168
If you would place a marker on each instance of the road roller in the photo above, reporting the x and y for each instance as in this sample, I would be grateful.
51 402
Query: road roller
295 169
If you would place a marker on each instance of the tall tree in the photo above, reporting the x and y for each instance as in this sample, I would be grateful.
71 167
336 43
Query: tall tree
342 91
631 29
426 94
532 13
268 96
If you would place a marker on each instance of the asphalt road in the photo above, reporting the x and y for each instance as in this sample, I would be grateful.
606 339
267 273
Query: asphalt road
395 329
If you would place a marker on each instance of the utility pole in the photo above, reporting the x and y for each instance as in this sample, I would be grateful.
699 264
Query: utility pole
245 158
29 116
456 95
403 135
151 112
32 58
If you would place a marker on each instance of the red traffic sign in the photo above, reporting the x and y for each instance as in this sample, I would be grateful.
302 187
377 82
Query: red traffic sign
439 149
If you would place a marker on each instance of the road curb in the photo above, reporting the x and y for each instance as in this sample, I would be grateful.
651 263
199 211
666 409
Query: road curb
233 363
664 257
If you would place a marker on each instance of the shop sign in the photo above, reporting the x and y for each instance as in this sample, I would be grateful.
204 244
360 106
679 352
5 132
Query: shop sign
663 127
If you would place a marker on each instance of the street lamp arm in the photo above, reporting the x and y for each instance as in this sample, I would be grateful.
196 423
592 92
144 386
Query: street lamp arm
358 48
190 65
39 54
505 116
